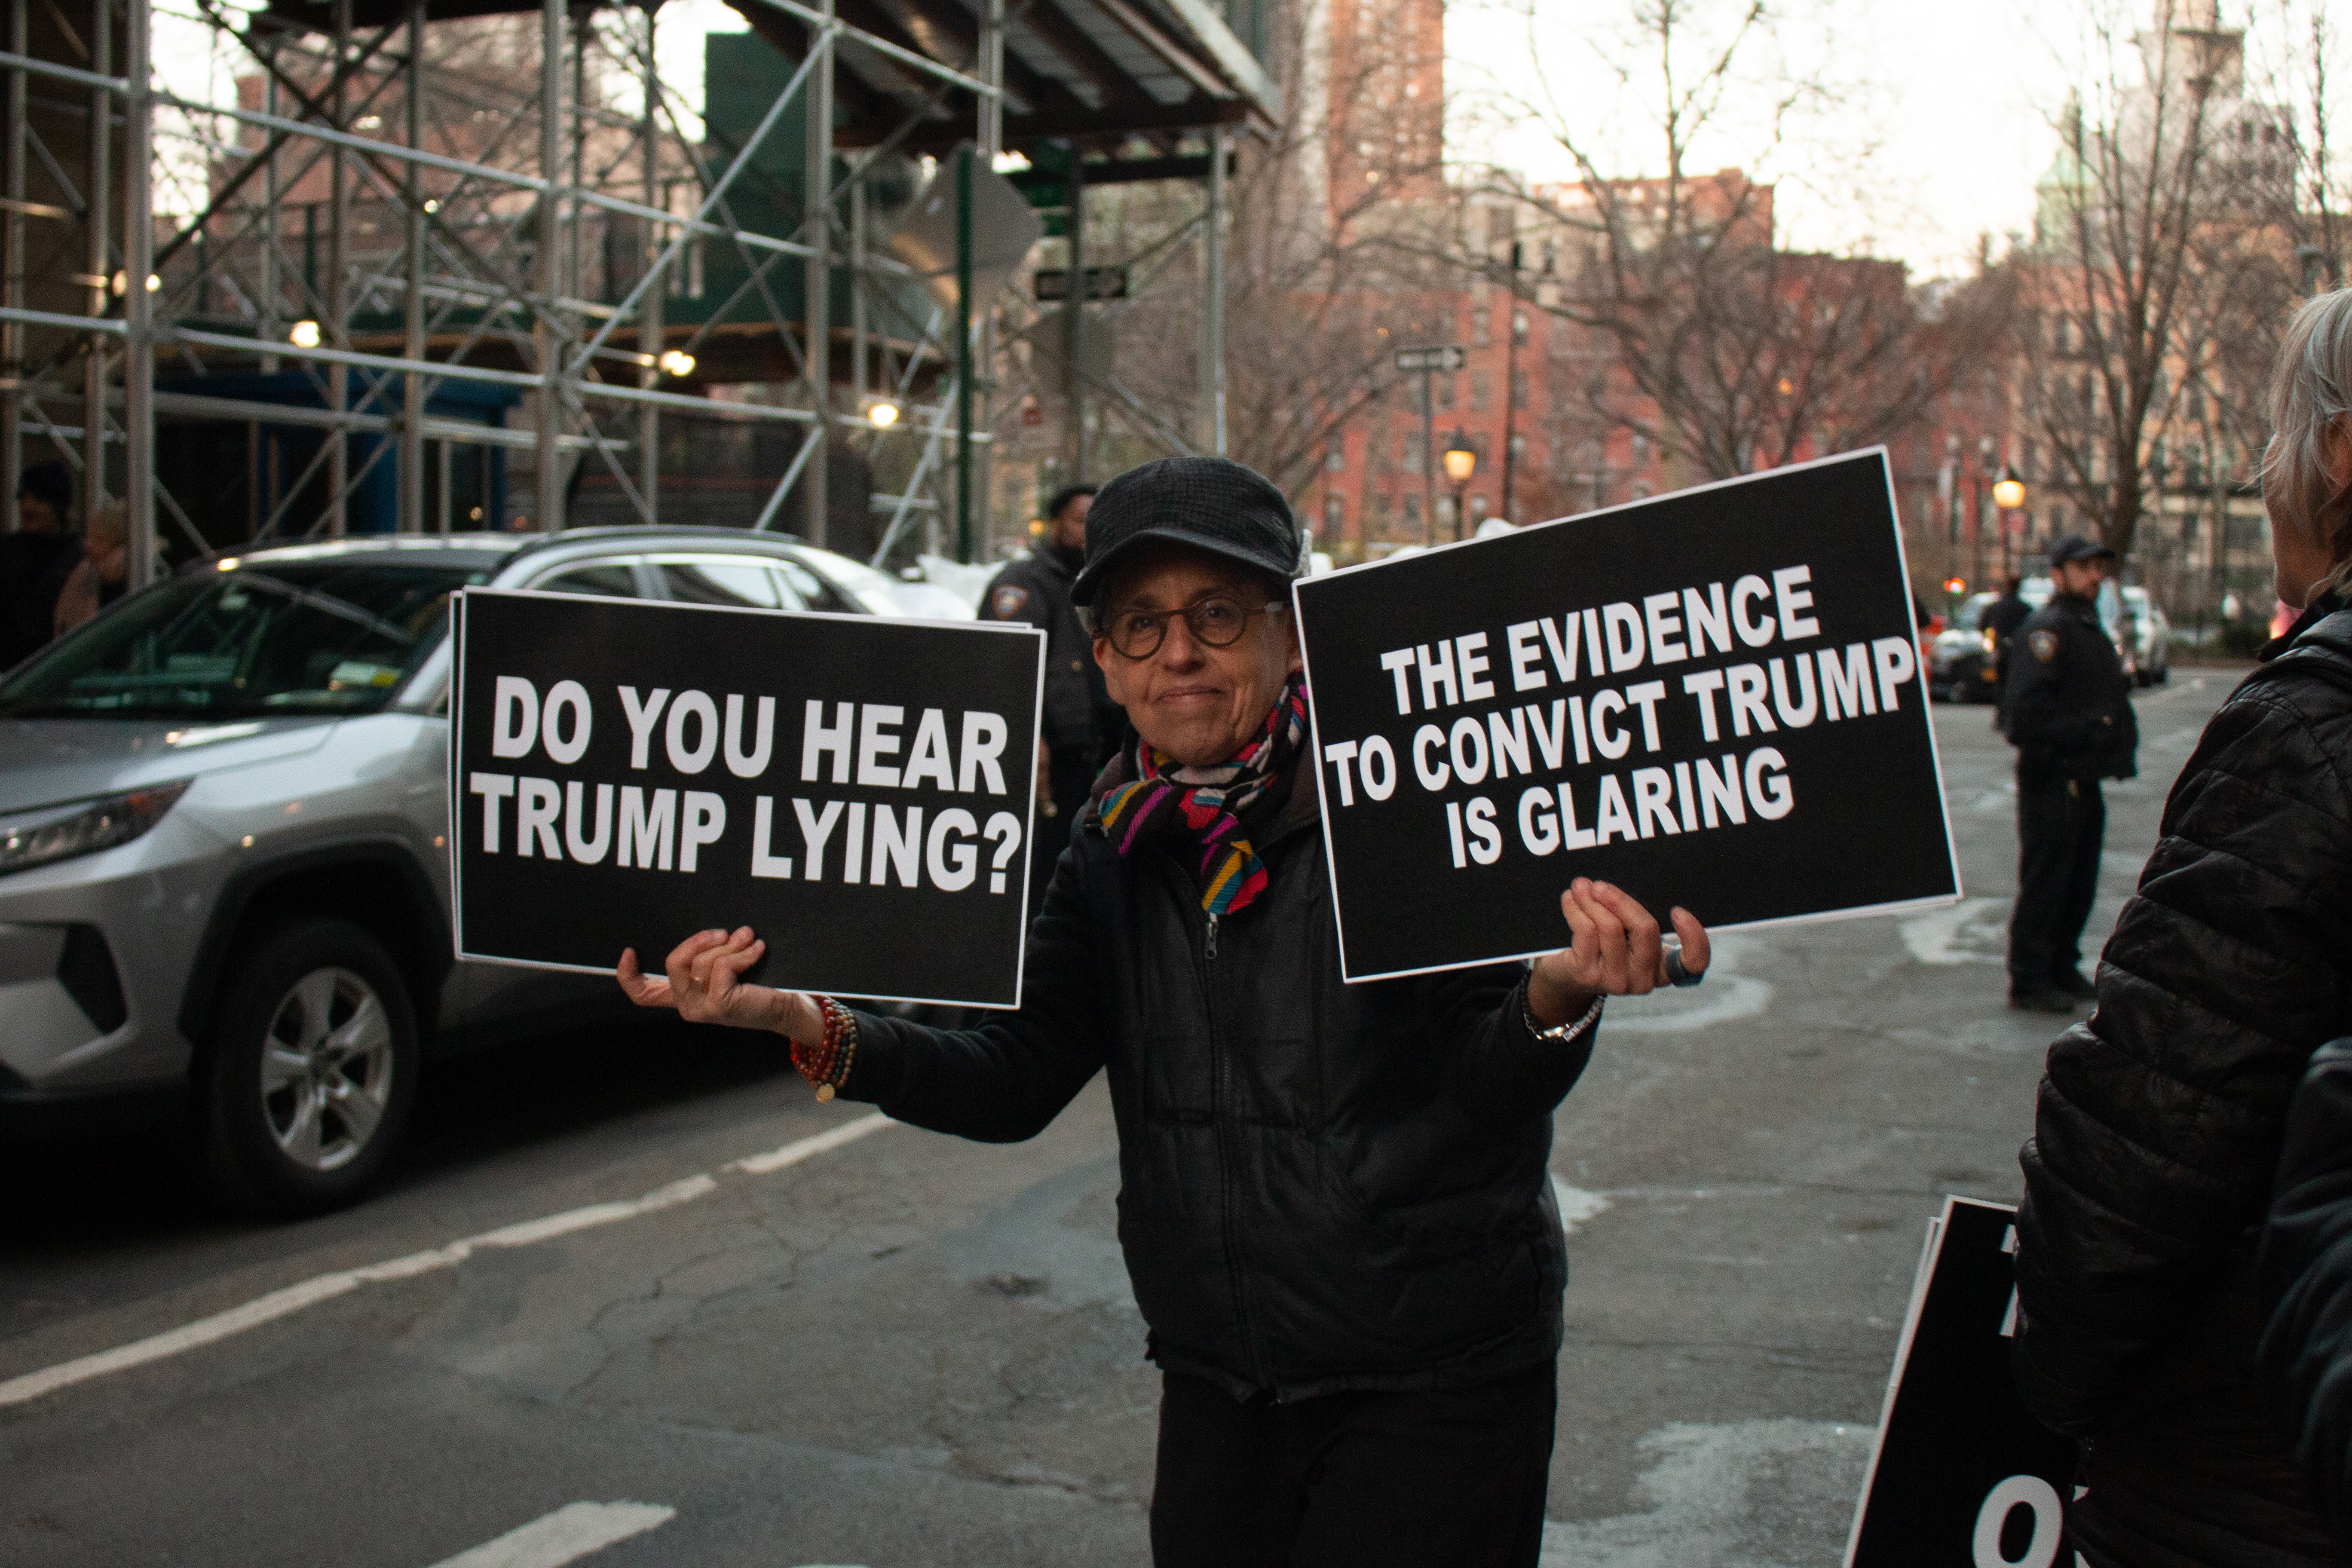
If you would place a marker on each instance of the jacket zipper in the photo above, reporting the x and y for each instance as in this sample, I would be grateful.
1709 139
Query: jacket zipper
1221 1082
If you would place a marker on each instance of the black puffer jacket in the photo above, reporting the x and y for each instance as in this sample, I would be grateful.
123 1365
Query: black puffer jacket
2158 1130
1323 1186
2305 1272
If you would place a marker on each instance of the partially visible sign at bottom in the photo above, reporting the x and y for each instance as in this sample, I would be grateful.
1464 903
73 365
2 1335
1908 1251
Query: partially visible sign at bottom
1962 1476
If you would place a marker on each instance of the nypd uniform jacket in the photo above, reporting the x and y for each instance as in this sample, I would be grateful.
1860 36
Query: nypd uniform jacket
1036 591
2068 701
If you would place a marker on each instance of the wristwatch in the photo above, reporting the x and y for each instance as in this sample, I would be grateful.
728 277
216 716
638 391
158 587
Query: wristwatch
1558 1033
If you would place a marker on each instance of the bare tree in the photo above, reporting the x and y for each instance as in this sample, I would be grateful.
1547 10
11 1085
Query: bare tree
1727 352
2152 260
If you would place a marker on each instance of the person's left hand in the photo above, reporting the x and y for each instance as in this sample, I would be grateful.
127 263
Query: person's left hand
1618 950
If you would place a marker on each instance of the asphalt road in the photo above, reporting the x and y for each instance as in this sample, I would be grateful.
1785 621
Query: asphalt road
904 1350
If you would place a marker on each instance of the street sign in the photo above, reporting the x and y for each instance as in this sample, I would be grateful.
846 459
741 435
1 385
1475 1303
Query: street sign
1711 699
856 790
1102 283
1441 357
1961 1474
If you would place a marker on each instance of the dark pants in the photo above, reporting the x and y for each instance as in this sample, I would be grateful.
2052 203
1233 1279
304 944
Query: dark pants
1443 1478
2061 823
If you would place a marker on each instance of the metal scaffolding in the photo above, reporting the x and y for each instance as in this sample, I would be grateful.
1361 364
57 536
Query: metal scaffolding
423 240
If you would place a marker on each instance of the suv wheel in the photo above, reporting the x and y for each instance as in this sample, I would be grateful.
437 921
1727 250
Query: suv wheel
310 1069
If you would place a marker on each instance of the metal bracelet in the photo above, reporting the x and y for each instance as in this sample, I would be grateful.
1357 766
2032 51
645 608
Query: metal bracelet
1559 1033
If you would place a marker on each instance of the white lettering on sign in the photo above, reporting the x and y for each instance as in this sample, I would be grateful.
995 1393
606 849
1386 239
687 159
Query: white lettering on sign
514 716
1992 1520
2009 1317
493 788
706 822
643 714
564 697
764 864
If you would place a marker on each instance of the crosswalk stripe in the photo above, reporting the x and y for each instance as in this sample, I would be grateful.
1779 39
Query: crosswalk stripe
570 1533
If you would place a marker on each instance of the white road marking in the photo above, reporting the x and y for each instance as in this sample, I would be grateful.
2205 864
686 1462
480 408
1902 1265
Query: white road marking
568 1535
1971 932
325 1286
1576 1204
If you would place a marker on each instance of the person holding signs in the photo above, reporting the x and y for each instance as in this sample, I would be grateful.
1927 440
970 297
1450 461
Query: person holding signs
1335 1206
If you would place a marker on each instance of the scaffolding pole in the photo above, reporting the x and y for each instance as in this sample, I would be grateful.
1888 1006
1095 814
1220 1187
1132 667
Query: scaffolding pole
12 277
816 295
453 256
411 317
139 260
547 343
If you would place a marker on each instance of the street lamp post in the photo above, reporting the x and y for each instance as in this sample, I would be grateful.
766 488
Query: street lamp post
2008 497
1460 462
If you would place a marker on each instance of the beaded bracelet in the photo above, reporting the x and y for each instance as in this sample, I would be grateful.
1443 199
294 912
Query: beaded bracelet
826 1064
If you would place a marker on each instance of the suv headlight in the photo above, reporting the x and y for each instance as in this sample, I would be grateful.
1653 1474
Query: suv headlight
52 833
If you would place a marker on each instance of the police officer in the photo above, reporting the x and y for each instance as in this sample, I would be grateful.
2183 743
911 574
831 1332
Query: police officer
2068 705
2001 619
1082 725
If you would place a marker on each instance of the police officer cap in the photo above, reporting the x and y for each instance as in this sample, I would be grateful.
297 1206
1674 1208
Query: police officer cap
2075 547
1209 503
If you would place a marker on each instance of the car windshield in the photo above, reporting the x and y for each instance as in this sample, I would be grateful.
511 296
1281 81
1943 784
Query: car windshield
267 639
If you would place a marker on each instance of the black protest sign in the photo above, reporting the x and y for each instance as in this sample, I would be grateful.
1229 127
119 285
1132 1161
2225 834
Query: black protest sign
1711 700
1961 1474
857 791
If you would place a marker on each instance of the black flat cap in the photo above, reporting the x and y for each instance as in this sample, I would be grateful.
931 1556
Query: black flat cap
2075 547
1209 503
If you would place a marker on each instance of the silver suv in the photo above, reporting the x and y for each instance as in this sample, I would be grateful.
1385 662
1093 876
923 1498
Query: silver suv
223 815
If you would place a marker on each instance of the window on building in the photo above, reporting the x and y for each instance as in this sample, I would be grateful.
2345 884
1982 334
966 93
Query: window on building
1335 457
1481 325
1519 325
1445 391
1412 509
1481 391
1335 515
1521 390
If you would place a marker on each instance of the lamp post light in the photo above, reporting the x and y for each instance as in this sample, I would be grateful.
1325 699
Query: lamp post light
1460 462
2008 497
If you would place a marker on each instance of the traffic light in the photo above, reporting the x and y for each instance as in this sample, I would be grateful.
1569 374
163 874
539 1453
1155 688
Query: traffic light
1956 586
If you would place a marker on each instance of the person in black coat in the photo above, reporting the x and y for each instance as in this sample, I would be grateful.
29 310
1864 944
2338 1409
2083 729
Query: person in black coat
2068 705
2160 1122
2001 619
36 560
1080 726
2303 1272
1334 1202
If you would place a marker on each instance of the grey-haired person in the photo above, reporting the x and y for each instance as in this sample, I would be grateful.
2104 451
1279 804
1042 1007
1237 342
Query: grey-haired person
1334 1201
2159 1125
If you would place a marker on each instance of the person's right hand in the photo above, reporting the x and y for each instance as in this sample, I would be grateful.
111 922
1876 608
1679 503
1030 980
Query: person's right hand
703 981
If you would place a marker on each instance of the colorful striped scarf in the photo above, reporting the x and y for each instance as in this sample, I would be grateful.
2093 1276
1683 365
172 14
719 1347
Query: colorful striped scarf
1207 803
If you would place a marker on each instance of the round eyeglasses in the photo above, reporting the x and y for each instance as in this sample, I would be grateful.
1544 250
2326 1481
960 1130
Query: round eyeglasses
1216 621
